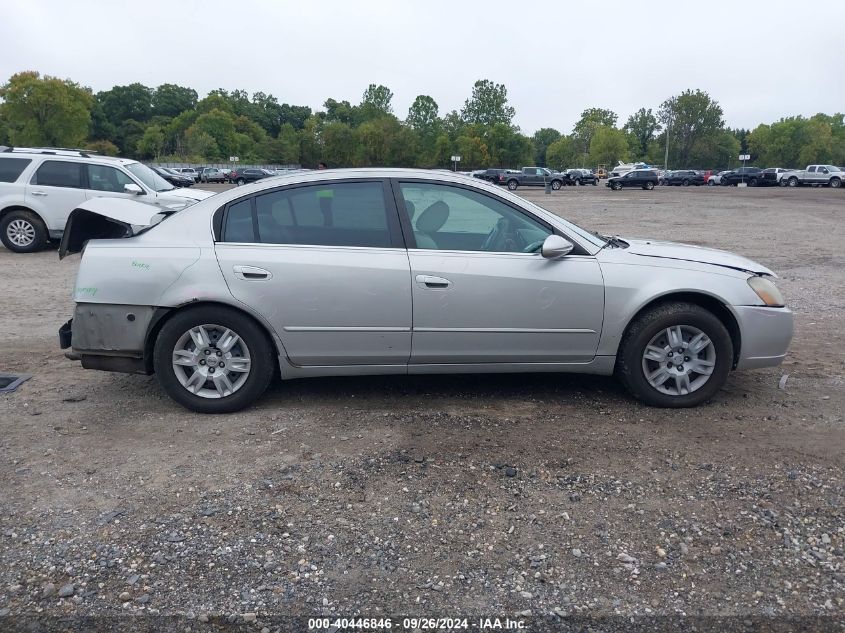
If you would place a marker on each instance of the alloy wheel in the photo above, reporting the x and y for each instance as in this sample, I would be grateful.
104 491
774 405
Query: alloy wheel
211 361
20 233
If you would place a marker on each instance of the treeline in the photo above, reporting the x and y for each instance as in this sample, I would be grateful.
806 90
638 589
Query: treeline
172 123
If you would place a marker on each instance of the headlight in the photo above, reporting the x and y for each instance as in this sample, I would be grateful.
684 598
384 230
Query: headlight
767 291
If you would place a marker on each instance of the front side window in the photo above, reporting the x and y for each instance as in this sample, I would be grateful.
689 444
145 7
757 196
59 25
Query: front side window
341 214
12 168
445 217
57 173
105 178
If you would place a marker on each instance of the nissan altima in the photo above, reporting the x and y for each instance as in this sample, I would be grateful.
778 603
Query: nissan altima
394 271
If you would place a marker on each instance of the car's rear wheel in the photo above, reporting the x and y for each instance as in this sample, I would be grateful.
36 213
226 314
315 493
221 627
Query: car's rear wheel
213 359
675 355
711 183
648 186
512 185
752 182
792 182
685 183
23 232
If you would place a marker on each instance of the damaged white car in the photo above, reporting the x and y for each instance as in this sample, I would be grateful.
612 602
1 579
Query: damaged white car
389 271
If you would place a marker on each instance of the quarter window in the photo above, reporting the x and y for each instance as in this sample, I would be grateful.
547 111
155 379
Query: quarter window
11 168
451 218
56 173
105 178
239 226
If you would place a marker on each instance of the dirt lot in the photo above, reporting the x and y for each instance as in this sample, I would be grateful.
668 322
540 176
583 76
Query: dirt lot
480 495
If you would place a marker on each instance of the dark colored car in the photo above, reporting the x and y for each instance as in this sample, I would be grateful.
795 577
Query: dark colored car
174 178
580 177
496 176
248 174
684 178
749 175
643 178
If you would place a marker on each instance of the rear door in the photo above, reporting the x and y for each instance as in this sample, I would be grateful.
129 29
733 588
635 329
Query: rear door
55 189
325 264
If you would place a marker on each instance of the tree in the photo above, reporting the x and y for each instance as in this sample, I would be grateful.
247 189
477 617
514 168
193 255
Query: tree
127 102
220 126
689 117
506 146
541 140
172 100
472 150
592 119
45 111
642 126
201 144
488 104
338 144
422 115
340 111
376 101
105 148
442 151
608 146
564 153
151 143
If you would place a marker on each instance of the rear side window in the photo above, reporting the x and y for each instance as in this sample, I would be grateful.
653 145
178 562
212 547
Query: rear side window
239 226
341 214
11 168
56 173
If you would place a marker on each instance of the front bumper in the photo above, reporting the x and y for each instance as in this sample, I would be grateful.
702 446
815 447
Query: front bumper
766 334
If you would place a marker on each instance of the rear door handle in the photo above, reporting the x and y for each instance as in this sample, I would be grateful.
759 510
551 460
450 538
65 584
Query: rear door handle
251 273
39 193
435 283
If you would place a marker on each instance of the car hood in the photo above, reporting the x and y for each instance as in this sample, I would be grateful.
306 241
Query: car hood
106 218
191 194
698 254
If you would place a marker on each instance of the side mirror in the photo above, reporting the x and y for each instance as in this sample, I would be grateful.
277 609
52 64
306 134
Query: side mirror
133 188
555 247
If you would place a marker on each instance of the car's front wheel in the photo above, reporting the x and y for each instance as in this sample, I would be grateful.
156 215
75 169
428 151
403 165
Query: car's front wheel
648 186
835 183
615 186
555 184
675 355
23 232
512 185
213 359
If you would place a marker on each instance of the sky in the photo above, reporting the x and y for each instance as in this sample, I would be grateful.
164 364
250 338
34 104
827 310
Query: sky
760 60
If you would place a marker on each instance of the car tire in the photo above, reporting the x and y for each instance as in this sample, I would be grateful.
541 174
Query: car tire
23 231
513 185
792 182
835 183
252 344
752 182
241 181
596 182
711 183
555 184
615 186
685 183
648 186
642 340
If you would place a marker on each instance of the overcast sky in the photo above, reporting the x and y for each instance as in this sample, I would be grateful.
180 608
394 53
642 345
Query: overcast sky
760 60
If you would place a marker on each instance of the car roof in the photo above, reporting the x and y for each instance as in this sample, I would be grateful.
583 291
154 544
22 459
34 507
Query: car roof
62 154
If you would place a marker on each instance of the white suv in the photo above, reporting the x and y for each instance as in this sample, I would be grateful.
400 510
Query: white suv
39 187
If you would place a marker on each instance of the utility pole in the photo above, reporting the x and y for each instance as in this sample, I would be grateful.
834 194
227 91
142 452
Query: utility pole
666 155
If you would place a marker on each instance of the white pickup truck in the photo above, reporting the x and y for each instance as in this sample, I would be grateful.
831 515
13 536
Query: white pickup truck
818 175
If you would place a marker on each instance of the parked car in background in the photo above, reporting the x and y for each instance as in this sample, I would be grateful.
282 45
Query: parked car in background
496 176
174 177
771 176
716 179
39 187
534 177
751 176
815 175
580 177
662 175
190 172
643 178
248 174
212 174
623 168
377 271
684 178
707 173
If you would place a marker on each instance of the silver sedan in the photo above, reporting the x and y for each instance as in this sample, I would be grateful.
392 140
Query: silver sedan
388 271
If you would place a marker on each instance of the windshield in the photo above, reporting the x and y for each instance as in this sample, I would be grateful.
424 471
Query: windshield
593 238
149 177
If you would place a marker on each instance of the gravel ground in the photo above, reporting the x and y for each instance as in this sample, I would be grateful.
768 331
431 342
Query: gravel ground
526 495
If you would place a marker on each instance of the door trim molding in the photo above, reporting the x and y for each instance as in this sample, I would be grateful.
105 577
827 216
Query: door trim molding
506 330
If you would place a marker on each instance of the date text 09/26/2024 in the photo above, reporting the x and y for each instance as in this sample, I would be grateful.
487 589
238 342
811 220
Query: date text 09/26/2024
415 623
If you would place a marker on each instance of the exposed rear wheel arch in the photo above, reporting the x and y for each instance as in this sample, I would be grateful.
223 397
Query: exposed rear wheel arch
705 301
163 315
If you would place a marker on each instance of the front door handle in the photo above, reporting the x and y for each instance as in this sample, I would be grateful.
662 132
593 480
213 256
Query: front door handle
39 193
251 273
434 283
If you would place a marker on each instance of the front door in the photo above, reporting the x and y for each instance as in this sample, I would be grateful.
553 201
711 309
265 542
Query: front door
324 264
105 181
482 293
